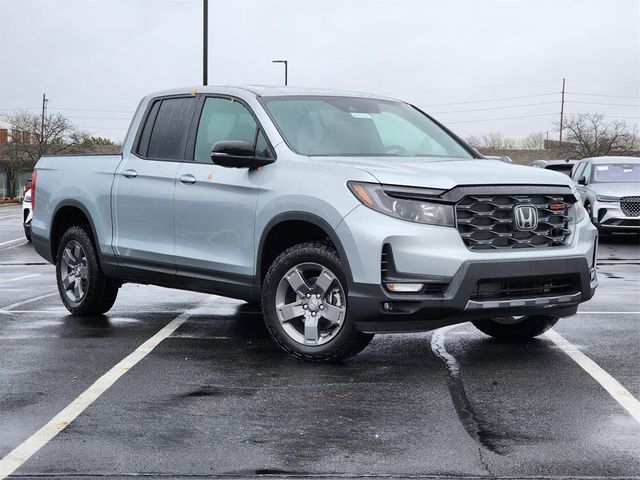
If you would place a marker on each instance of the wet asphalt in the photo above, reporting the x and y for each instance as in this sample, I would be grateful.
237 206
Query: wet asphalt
218 398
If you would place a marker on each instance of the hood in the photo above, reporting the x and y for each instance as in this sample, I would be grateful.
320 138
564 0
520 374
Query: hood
448 173
615 189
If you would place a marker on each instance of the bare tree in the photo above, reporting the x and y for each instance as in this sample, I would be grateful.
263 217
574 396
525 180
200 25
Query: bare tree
591 135
474 141
533 141
59 134
497 141
29 142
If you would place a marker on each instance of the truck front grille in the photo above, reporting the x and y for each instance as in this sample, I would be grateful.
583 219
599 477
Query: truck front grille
487 222
630 206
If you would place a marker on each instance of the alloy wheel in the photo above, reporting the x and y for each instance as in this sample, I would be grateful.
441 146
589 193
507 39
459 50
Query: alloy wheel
74 272
311 304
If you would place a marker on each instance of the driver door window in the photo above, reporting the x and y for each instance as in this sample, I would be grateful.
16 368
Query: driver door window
223 119
578 171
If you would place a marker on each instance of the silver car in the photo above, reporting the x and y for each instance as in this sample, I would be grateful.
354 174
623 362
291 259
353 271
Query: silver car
610 189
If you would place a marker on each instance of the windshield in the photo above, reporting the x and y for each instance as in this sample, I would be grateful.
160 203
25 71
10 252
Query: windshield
617 173
351 126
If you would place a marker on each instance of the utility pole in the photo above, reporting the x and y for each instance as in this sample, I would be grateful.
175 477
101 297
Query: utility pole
562 111
205 40
286 63
44 107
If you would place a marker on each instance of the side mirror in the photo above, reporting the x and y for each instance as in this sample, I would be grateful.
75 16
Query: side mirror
236 154
582 180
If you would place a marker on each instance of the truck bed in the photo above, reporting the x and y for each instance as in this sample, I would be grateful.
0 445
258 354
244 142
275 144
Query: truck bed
82 181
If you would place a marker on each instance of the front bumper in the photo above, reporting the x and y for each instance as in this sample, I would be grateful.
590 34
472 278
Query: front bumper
609 216
377 310
431 254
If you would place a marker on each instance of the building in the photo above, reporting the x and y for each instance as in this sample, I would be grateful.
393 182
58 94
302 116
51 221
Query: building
5 128
8 134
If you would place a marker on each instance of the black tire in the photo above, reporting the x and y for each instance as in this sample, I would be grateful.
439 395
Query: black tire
528 327
347 341
100 292
589 209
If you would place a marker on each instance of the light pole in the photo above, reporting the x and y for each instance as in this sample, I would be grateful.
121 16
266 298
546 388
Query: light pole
286 64
205 40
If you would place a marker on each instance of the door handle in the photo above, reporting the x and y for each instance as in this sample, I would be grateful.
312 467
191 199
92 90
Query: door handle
188 178
130 173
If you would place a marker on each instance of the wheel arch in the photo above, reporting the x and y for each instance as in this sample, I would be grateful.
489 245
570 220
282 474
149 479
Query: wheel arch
66 214
280 223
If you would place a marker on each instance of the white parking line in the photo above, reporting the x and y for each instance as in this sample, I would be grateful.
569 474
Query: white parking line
14 246
6 310
11 241
610 384
609 313
20 278
35 442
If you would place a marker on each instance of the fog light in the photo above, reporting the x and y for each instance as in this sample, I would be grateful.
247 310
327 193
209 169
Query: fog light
405 287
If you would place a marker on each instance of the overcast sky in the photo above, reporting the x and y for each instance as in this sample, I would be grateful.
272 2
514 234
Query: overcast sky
96 58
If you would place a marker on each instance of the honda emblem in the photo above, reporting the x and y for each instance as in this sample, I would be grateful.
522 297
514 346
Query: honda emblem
526 217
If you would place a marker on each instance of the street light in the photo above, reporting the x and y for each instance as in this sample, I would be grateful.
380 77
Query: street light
286 63
205 40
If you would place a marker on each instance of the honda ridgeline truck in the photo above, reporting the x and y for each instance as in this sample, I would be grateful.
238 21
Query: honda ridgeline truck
343 214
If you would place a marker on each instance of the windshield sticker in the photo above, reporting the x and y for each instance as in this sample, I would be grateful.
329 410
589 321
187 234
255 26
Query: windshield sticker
602 168
360 115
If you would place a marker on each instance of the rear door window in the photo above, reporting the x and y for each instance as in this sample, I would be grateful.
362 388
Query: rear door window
168 138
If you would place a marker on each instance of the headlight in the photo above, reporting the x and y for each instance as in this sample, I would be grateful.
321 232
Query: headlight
580 211
420 211
606 198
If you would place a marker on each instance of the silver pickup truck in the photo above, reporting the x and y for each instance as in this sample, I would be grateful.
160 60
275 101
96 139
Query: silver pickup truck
342 214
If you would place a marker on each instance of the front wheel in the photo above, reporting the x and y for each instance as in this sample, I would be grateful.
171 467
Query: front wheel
84 288
304 302
516 328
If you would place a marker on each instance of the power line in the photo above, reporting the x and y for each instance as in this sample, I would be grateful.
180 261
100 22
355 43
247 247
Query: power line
468 87
104 128
74 109
602 103
610 116
491 100
495 108
503 118
601 95
101 118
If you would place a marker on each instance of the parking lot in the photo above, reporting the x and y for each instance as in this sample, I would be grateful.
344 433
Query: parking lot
217 397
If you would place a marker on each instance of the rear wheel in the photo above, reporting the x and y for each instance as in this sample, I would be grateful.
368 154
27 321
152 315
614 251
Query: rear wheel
304 302
516 328
83 286
27 232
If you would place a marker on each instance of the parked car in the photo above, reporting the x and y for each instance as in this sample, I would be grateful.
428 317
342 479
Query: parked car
610 190
27 187
562 166
502 158
344 214
27 214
